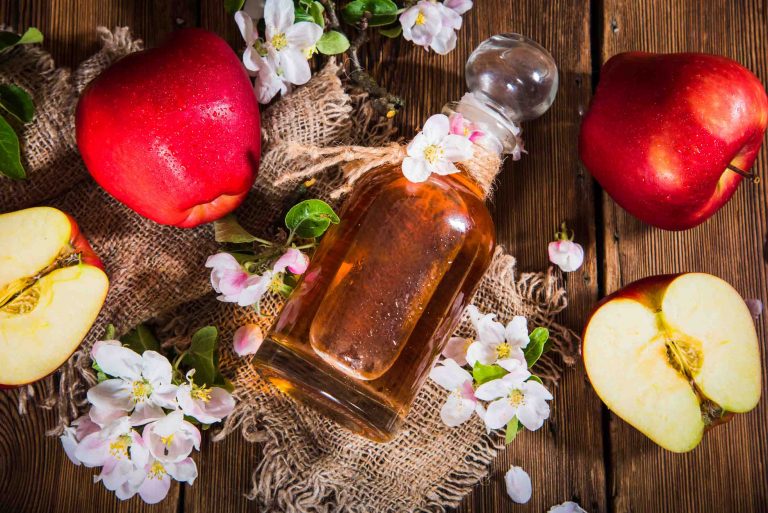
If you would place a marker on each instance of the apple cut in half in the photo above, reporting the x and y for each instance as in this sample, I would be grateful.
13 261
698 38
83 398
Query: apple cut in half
52 287
674 355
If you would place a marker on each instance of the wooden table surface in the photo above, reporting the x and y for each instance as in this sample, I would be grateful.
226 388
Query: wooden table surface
584 453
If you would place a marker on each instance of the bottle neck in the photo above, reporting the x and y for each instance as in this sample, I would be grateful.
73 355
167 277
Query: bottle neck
500 134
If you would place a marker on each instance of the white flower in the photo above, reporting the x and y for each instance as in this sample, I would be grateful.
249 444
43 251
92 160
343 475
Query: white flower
512 397
432 25
157 478
141 384
495 343
228 277
73 434
566 254
434 150
456 349
247 340
461 401
460 6
518 484
566 507
281 59
171 438
206 404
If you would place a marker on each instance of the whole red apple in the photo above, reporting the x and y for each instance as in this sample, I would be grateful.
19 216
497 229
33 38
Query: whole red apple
173 132
662 130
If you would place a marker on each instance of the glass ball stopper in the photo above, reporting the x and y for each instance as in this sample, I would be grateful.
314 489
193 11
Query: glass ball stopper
514 74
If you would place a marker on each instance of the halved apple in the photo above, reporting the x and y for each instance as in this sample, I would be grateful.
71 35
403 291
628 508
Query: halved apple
674 355
52 287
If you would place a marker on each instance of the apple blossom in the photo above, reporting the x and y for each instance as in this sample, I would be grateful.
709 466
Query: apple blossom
461 402
566 254
496 344
141 384
432 24
460 6
434 150
293 260
171 439
228 277
566 507
247 339
464 127
755 307
518 484
74 433
206 404
456 349
514 397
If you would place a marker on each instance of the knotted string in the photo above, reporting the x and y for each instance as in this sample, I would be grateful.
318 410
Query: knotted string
356 161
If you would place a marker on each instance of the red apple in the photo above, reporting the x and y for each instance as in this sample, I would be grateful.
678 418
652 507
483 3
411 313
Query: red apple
173 132
663 129
52 286
674 355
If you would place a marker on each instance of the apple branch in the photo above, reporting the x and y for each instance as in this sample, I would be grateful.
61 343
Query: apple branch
752 175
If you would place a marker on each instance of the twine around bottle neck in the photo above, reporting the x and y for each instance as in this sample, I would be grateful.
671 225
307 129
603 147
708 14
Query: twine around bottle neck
357 161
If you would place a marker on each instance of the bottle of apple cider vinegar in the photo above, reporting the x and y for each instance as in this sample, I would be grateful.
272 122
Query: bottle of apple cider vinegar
388 284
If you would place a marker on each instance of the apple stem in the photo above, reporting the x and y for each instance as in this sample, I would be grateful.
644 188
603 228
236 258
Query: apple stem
746 174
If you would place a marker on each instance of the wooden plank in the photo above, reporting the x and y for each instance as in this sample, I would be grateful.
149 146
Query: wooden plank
534 196
727 472
35 474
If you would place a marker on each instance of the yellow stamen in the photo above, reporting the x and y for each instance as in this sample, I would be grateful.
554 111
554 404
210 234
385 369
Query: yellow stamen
516 398
157 470
420 18
503 350
166 440
140 391
433 153
119 448
203 393
279 41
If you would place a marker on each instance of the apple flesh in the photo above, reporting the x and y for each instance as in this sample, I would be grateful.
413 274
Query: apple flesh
173 132
52 287
662 130
674 355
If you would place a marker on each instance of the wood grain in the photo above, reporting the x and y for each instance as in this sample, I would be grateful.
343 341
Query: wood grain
727 471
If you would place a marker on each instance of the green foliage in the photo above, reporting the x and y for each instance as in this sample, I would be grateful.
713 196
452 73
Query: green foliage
110 333
10 154
203 356
227 229
379 12
11 39
232 6
16 101
333 43
100 375
310 218
535 378
141 339
513 428
392 32
536 345
484 373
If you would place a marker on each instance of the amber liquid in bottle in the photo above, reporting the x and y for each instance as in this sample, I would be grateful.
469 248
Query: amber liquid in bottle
384 292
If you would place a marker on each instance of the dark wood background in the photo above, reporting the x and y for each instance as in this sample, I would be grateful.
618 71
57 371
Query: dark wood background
584 453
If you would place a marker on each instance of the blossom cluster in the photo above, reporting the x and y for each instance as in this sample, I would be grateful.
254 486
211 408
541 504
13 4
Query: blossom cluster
433 24
499 359
137 429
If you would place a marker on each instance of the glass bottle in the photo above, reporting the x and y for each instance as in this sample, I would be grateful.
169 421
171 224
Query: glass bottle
388 284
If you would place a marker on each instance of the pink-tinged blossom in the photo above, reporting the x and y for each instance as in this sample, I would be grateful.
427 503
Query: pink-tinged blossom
566 254
247 339
293 260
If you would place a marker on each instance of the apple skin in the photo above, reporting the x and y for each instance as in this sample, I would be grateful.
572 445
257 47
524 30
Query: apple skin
173 132
662 129
80 244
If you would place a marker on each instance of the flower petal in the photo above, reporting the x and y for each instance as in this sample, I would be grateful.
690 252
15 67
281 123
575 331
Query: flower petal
146 412
518 485
536 389
417 146
245 24
499 413
278 15
255 8
481 352
112 395
492 390
449 375
566 507
223 261
156 368
516 332
294 66
436 128
456 410
518 373
117 361
529 416
184 471
154 489
457 148
303 35
489 330
247 339
460 6
294 260
415 169
69 443
456 350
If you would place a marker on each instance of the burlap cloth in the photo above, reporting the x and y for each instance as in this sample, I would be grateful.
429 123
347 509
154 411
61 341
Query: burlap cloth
157 273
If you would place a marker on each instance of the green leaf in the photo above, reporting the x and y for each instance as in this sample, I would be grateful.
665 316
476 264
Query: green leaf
11 39
382 12
203 357
10 155
333 43
141 339
110 333
310 218
535 378
535 348
17 102
227 229
232 6
316 10
100 374
513 428
485 373
392 32
299 15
